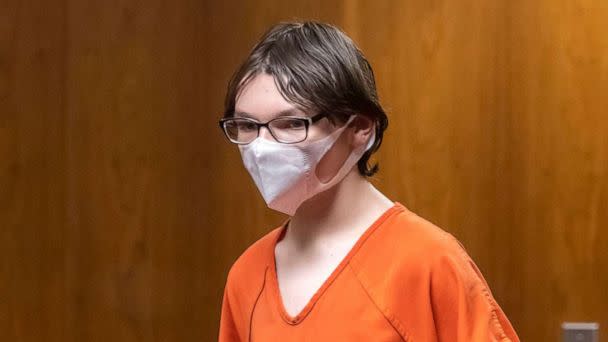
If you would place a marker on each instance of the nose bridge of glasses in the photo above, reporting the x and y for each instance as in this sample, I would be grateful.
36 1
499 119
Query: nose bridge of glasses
264 133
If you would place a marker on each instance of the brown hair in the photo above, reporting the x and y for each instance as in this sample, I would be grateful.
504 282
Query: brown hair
318 67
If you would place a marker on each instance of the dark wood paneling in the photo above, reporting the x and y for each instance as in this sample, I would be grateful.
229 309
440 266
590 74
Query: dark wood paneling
32 182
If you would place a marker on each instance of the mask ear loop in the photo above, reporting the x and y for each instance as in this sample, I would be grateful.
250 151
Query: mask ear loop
333 137
356 153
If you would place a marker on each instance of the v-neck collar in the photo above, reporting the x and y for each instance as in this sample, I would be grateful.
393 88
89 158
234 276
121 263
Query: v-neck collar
275 293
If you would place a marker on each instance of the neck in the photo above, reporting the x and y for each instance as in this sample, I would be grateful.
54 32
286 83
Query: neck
336 211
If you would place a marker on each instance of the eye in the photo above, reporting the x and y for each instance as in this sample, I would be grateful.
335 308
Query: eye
246 126
296 124
289 124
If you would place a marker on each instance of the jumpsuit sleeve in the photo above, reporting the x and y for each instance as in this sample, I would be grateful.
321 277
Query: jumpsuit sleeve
462 305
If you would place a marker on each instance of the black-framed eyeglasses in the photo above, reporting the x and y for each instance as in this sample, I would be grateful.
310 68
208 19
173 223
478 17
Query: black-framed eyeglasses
284 129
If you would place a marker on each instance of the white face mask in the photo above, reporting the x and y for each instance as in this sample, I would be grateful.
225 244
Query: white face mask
285 174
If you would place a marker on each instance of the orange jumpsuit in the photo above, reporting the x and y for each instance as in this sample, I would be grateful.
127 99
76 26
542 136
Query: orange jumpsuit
405 279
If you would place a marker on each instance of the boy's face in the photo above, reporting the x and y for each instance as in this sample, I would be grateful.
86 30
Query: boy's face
261 100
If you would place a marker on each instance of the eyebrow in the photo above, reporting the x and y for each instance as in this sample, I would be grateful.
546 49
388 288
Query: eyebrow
286 112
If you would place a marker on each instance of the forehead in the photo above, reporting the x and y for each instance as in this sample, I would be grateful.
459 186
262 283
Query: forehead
260 99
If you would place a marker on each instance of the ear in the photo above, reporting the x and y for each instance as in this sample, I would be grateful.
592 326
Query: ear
363 129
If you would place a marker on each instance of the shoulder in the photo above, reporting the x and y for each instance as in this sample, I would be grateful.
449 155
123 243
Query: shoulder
424 282
254 260
408 245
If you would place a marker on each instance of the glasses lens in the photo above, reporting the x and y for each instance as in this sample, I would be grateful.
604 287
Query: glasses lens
289 130
241 130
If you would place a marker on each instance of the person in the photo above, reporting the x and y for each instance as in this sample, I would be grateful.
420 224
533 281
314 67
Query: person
348 264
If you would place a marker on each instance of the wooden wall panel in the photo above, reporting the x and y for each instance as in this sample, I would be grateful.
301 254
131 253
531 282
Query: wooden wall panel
122 206
136 254
558 81
32 182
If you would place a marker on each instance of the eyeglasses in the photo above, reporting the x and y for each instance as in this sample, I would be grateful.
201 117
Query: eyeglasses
284 129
